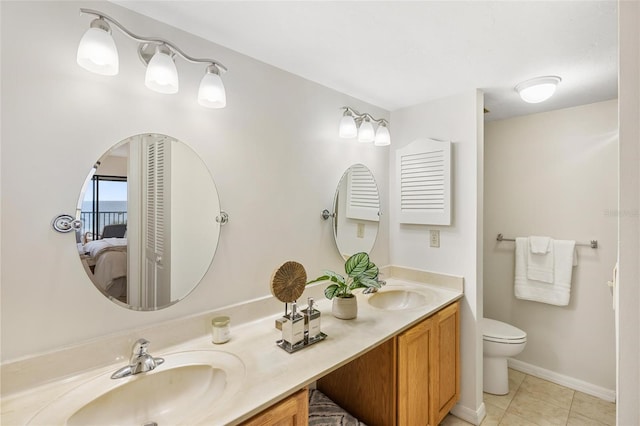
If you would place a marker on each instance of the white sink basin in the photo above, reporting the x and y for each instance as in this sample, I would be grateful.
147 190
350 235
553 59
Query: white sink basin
400 299
180 391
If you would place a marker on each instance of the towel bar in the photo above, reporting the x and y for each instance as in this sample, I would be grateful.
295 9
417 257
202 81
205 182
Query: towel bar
593 243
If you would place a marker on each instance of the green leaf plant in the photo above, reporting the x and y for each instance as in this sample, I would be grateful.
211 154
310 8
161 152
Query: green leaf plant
360 271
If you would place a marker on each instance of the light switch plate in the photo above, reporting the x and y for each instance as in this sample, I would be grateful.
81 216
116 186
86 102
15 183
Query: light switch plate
360 230
434 238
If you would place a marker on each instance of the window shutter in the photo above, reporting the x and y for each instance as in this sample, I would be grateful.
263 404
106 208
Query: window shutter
423 175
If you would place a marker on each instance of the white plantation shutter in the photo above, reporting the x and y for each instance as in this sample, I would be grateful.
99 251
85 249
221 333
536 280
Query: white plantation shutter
155 197
363 202
157 212
423 175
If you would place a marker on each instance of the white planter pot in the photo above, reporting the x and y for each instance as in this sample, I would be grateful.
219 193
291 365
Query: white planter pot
345 307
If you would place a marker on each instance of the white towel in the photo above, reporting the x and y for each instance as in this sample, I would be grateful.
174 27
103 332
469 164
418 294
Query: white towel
565 259
540 258
556 293
539 245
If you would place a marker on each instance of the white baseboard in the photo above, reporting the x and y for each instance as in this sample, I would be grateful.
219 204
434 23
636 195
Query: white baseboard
469 415
561 379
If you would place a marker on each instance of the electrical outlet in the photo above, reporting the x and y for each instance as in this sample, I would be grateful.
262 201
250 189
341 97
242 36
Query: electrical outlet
360 230
434 238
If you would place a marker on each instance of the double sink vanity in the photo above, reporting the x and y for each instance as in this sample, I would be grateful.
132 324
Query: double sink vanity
396 363
250 379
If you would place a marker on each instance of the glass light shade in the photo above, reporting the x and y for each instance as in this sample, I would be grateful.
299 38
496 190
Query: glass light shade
97 52
211 93
383 137
366 133
348 127
538 90
162 75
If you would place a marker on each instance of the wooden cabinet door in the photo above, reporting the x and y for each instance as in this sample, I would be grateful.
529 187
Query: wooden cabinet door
447 369
414 375
292 411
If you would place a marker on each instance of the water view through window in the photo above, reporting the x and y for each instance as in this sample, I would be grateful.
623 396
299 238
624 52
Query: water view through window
105 203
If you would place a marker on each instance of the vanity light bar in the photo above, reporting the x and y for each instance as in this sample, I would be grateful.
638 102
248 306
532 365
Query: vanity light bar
97 53
355 124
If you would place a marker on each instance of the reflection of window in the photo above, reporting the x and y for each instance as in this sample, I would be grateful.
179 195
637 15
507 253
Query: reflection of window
105 203
362 195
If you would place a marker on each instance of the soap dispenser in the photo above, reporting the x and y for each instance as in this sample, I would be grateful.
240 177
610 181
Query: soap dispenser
312 323
293 329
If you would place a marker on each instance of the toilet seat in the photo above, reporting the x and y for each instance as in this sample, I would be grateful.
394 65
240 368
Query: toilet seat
500 332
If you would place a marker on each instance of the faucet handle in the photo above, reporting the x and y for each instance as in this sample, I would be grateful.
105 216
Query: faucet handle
140 361
140 347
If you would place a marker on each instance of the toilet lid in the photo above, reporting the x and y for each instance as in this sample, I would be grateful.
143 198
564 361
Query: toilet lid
499 331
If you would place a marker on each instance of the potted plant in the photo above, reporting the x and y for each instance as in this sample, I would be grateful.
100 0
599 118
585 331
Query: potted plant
361 273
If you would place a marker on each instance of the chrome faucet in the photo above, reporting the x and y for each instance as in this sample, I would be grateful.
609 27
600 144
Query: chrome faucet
140 362
370 290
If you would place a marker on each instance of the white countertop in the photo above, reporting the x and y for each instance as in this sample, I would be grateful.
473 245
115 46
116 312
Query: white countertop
271 374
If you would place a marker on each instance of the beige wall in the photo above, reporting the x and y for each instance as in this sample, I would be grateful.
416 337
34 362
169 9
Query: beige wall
112 166
273 152
628 295
555 174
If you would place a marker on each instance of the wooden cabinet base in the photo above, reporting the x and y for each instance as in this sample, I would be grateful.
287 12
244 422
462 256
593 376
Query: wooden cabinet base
292 411
415 383
447 361
412 379
365 387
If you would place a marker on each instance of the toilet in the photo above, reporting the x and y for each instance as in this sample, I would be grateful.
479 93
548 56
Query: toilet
499 342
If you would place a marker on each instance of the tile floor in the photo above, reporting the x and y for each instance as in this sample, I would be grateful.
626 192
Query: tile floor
532 401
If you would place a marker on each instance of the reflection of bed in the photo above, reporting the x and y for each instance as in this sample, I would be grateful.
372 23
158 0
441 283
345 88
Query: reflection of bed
107 259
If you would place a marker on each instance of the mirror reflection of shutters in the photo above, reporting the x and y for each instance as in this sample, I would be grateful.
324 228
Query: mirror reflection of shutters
363 202
158 278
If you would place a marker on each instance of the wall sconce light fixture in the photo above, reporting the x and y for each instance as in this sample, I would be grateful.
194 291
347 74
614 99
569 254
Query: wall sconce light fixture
538 89
354 124
97 53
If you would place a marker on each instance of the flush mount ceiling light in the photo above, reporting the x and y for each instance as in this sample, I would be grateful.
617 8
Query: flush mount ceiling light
97 53
538 89
353 124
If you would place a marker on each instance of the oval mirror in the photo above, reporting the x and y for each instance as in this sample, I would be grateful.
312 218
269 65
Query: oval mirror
356 208
149 210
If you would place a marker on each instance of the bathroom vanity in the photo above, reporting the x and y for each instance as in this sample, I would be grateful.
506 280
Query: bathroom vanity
250 380
411 379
